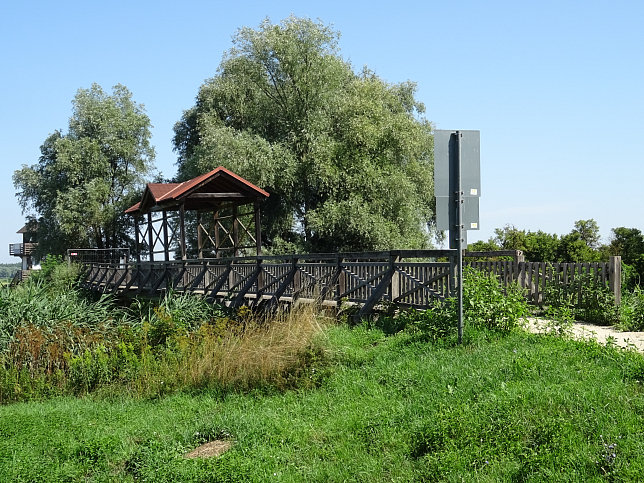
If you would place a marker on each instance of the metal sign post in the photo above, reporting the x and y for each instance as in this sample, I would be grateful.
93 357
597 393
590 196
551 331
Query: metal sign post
459 234
457 181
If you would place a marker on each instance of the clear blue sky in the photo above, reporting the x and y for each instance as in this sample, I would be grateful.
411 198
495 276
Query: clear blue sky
555 87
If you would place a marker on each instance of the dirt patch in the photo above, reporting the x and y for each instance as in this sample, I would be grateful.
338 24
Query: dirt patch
601 334
210 449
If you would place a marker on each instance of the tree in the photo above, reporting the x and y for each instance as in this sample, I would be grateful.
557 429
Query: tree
573 248
541 246
588 232
345 156
629 244
85 179
509 238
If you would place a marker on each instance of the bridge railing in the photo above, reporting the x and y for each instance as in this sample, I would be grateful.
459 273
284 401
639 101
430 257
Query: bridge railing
410 278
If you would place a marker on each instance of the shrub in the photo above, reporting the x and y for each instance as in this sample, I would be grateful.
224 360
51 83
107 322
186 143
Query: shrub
588 300
486 304
176 343
631 311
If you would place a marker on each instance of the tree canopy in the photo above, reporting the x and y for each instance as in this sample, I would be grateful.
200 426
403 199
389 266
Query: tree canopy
84 179
346 156
580 245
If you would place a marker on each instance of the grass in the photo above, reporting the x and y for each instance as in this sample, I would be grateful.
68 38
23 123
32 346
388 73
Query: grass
301 398
518 407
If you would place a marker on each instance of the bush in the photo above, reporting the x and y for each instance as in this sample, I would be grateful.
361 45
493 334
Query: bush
596 304
631 311
55 341
486 304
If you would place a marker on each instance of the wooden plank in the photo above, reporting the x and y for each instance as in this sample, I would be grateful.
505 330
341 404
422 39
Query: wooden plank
214 196
223 278
422 285
281 290
365 283
117 285
113 271
250 281
376 295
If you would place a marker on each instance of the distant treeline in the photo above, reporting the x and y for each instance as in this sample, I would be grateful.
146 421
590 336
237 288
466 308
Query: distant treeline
582 244
7 270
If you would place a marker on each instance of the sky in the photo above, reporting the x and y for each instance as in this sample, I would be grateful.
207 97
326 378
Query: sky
554 87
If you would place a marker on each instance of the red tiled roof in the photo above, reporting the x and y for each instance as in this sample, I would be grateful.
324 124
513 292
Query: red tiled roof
134 208
166 193
159 190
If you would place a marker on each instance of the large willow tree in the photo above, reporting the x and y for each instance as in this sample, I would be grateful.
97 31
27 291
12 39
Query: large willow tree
85 178
345 156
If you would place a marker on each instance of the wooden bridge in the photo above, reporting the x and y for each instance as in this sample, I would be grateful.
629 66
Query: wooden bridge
408 278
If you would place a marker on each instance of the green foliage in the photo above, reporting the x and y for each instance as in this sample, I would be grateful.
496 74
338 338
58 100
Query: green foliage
631 311
629 244
573 248
56 273
35 303
345 156
483 246
509 238
57 339
541 246
85 179
7 270
515 407
486 305
588 231
583 297
580 245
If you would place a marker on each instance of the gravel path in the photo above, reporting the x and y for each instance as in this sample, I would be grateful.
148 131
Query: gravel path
600 333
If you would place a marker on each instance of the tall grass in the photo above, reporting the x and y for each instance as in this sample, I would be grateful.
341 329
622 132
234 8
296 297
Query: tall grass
265 351
57 339
38 304
631 310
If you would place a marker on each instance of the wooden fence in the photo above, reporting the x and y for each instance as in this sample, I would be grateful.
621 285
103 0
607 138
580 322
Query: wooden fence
409 278
537 278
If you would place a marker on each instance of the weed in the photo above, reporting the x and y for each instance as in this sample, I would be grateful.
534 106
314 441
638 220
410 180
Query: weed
486 304
586 298
631 315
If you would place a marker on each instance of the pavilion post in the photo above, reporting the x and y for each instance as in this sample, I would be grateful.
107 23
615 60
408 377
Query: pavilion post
166 247
150 237
217 235
137 242
235 231
199 236
258 228
182 230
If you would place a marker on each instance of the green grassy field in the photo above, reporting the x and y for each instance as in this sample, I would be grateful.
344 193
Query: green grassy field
515 407
95 390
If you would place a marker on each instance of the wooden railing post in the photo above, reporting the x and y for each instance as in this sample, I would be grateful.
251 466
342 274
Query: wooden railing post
342 281
297 279
615 278
395 277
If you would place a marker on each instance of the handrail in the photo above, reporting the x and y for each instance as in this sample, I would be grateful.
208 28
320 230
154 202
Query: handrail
367 278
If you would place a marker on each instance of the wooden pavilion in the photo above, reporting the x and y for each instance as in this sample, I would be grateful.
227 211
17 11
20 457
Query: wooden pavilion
227 220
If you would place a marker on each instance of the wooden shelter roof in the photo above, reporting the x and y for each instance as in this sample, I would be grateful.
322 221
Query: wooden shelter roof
203 192
30 227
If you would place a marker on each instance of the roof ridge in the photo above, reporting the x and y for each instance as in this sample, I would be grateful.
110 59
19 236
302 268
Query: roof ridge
167 194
